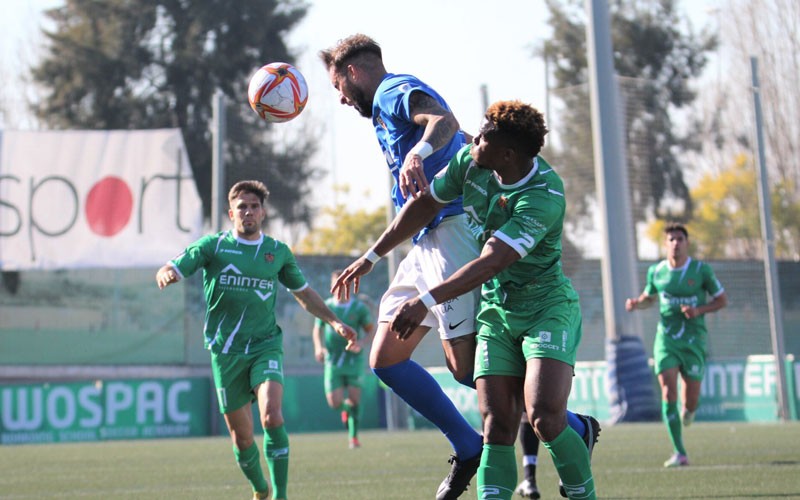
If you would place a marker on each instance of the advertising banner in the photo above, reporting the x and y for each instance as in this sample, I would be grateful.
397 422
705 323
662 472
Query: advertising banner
732 390
102 410
89 199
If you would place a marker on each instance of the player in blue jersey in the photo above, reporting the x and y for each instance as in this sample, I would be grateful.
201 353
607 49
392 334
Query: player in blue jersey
529 321
241 269
418 135
681 287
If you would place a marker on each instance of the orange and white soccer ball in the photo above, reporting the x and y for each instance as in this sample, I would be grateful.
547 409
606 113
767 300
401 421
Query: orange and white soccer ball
277 92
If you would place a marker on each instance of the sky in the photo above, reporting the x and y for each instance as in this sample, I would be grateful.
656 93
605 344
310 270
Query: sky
456 46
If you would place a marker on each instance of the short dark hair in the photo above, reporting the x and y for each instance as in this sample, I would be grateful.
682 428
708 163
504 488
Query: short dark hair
676 226
520 125
251 186
349 48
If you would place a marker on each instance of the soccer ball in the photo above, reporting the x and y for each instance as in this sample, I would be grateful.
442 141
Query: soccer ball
277 92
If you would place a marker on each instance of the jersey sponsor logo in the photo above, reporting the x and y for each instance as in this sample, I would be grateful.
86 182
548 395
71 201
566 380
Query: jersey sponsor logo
263 296
476 187
231 250
545 336
232 277
675 300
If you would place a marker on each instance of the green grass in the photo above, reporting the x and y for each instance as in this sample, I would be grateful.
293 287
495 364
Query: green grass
729 461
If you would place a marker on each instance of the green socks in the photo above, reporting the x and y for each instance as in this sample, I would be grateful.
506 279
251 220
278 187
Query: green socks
352 420
673 420
497 474
571 459
276 449
250 463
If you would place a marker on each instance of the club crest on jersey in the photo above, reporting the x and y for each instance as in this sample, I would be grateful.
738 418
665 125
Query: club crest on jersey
381 123
502 202
269 258
690 282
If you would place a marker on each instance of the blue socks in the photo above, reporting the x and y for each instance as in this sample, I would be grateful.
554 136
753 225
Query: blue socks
414 385
576 423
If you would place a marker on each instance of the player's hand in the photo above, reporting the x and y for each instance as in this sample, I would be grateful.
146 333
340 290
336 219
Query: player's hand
689 311
166 276
354 347
319 355
631 304
408 317
411 179
351 276
346 332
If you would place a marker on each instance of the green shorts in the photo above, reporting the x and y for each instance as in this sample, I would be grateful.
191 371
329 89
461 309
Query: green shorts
511 334
338 377
690 357
237 375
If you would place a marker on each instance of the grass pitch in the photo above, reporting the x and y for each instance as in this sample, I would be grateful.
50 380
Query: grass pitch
729 461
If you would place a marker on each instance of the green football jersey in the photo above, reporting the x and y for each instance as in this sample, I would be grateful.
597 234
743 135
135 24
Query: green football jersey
354 313
688 285
239 282
528 216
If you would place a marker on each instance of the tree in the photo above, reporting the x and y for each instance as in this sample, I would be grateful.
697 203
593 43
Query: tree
349 233
725 223
124 64
654 58
770 31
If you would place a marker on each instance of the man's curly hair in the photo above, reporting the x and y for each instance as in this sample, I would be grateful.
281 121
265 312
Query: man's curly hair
520 125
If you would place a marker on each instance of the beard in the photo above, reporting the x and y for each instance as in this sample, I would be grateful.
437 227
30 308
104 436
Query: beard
361 103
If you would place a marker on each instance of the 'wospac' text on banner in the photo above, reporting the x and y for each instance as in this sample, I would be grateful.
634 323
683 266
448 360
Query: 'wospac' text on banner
102 410
84 199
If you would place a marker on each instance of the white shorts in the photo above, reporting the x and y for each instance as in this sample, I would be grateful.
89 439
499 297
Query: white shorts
434 258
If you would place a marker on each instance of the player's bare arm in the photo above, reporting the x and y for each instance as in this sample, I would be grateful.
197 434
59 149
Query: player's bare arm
414 215
716 304
440 126
319 347
495 256
310 300
643 301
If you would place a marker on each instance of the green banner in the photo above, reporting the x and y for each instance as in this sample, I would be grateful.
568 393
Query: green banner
732 390
101 410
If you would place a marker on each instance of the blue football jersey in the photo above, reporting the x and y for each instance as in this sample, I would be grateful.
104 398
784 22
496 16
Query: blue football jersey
397 134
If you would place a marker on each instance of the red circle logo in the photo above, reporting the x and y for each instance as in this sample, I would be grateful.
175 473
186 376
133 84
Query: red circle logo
109 205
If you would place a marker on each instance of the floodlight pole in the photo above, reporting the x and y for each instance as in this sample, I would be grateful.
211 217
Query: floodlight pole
770 268
218 197
619 257
632 394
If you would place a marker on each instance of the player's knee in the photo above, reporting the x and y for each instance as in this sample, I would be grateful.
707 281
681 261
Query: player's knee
499 429
272 420
465 377
547 425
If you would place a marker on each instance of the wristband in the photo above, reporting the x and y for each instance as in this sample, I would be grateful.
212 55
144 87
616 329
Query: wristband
427 299
371 256
423 149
